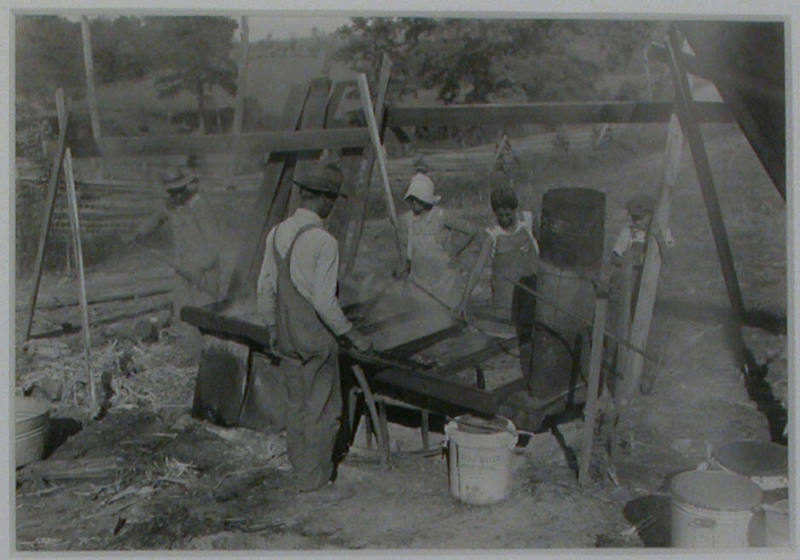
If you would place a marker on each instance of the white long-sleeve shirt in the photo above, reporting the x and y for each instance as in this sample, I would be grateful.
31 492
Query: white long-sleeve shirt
313 269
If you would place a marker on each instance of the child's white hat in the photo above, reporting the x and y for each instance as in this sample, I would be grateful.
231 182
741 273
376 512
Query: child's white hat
421 188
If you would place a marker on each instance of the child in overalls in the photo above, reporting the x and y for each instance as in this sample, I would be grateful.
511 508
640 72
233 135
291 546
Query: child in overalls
627 256
631 242
513 250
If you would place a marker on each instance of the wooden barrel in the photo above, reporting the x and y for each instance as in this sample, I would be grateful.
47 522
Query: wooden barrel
573 227
565 305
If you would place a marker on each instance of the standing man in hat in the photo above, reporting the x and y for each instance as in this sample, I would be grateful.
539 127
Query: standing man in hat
196 251
296 293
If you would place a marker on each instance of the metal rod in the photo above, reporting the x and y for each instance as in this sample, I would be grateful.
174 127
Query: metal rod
586 322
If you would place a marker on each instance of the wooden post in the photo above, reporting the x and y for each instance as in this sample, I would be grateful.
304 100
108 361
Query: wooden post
365 174
372 124
251 247
648 284
89 65
375 419
626 296
52 185
241 84
288 198
683 104
593 384
74 223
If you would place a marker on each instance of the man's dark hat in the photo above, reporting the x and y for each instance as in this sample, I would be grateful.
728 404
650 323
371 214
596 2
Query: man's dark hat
175 181
640 205
326 179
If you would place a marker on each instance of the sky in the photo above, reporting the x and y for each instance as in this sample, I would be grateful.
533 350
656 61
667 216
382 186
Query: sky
284 27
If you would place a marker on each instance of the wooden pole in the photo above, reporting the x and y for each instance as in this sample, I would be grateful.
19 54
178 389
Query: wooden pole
683 104
74 222
55 170
89 65
365 173
241 84
626 295
369 399
648 284
374 133
256 222
590 410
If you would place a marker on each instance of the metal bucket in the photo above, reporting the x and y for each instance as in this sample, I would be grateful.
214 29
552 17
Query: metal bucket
479 458
764 462
777 524
712 509
31 418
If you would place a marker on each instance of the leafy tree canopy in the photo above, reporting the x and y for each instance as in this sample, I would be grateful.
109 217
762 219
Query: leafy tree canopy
477 60
120 48
48 56
194 54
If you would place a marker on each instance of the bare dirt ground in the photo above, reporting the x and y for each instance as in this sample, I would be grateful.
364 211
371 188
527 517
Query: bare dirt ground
147 476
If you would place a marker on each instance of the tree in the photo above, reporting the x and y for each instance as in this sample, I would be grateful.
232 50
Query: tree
477 60
193 53
48 56
120 48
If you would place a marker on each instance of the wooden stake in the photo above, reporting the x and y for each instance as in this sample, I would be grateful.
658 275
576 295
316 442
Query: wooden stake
626 295
590 408
372 124
89 65
52 185
369 399
74 222
241 83
365 175
648 284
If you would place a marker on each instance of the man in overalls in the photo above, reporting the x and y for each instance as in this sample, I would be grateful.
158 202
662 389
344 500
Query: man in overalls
297 296
196 253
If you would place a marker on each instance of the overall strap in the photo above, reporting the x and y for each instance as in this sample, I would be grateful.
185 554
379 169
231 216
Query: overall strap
297 235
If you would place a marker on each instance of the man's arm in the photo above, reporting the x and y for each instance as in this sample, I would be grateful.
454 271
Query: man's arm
324 299
266 292
150 224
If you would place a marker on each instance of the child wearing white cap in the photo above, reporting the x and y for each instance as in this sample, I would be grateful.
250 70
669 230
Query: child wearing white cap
427 260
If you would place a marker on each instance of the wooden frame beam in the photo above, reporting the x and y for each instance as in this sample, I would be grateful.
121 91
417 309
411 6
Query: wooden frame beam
50 204
695 66
251 247
492 349
563 113
361 194
307 140
732 87
689 124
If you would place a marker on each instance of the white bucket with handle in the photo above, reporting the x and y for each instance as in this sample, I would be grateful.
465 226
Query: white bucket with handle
712 509
479 458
